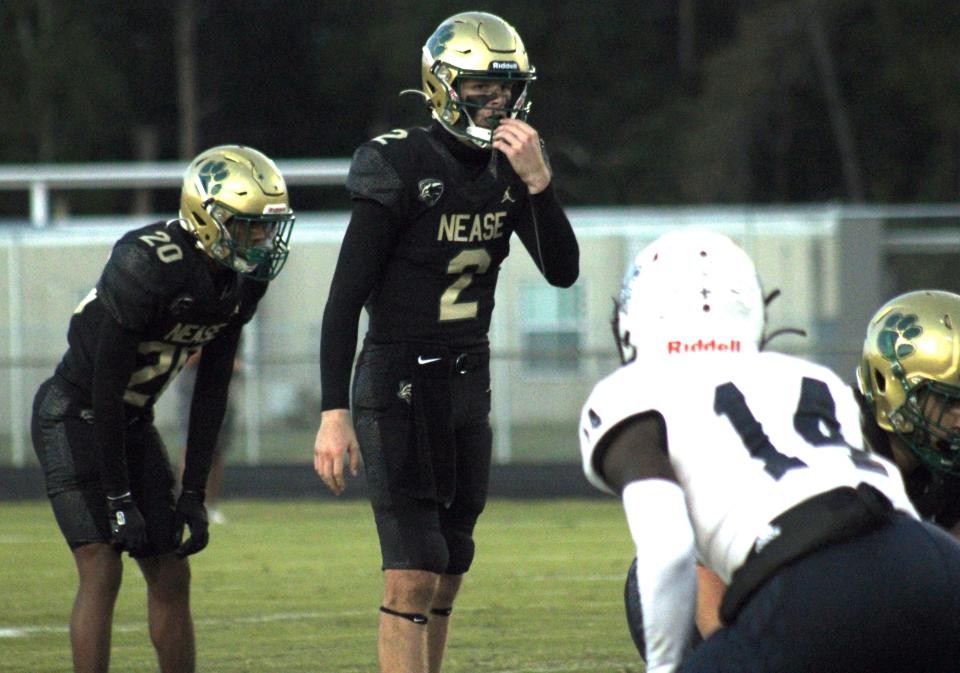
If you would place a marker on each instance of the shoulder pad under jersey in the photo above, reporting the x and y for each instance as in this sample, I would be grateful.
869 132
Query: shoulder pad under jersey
372 177
613 400
134 283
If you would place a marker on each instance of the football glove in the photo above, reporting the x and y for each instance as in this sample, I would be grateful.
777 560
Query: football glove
192 514
128 530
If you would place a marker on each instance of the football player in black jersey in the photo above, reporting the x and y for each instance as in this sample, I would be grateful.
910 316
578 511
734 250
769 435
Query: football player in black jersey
168 290
909 391
433 212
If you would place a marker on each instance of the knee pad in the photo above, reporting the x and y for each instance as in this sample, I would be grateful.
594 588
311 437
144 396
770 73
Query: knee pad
434 554
461 548
417 550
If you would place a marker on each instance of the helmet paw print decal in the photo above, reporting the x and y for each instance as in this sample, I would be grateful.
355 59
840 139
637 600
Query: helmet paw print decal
896 327
438 41
215 172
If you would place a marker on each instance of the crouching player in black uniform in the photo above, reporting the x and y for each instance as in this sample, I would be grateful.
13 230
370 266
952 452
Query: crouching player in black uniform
434 210
168 290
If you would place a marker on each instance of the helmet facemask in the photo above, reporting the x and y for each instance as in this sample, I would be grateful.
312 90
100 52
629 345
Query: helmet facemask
929 424
471 123
254 246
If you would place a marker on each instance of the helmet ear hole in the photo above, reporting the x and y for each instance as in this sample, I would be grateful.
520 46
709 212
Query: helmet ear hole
205 233
881 381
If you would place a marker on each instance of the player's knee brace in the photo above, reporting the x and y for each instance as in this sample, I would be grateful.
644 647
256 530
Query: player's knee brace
414 617
432 555
461 549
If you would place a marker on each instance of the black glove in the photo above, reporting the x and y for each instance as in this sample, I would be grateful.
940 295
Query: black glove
128 530
192 513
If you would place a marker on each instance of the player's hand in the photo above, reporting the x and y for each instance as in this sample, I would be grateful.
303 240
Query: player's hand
128 530
191 513
520 143
335 437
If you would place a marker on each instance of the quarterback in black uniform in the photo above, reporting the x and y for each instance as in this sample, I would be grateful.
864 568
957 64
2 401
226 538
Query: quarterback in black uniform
168 290
433 212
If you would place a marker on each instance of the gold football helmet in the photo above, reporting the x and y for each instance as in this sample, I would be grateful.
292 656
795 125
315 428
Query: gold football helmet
235 201
478 46
910 374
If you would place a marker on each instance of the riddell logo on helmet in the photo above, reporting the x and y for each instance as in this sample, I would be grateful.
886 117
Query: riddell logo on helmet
504 65
701 346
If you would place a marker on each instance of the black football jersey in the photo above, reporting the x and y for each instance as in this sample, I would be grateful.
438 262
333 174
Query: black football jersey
158 285
438 285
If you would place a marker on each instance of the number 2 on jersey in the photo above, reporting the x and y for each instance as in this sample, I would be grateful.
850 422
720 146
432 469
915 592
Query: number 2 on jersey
816 412
170 360
464 265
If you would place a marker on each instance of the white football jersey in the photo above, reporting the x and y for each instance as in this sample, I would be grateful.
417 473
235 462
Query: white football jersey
749 435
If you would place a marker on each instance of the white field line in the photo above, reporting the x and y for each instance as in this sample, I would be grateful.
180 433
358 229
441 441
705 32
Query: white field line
557 667
23 631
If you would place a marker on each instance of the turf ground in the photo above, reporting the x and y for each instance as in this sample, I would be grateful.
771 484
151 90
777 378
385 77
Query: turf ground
294 586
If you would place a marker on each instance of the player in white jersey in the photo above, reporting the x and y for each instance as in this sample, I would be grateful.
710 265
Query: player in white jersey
752 464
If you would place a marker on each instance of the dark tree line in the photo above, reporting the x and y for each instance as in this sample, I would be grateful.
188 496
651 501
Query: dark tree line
662 101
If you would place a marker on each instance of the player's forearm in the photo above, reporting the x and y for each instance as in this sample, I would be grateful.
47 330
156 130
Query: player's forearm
338 339
208 407
666 575
554 248
113 362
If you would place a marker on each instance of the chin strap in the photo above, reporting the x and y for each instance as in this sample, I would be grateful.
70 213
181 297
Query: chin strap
426 98
767 338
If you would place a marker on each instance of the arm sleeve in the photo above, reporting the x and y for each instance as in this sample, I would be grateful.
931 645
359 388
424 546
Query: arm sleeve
114 362
666 570
367 244
548 236
208 407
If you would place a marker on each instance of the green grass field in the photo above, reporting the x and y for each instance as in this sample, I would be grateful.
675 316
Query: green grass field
294 587
532 443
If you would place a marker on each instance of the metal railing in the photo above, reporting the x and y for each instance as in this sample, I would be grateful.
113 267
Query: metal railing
39 180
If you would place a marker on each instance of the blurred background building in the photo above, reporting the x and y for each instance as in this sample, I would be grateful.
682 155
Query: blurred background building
823 136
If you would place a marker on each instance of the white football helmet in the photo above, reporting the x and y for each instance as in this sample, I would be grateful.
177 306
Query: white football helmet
689 290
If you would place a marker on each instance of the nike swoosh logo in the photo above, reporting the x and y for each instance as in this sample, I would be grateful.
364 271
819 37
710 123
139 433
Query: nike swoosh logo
425 361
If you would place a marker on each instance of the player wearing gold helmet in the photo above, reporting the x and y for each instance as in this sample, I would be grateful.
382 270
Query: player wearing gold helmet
909 389
434 210
168 290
